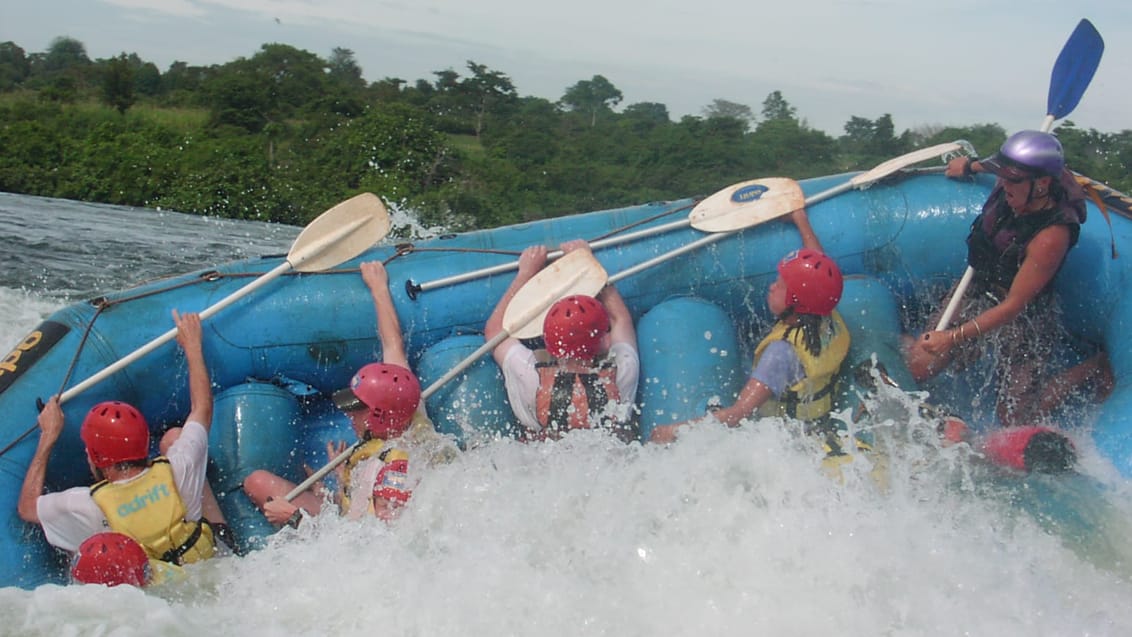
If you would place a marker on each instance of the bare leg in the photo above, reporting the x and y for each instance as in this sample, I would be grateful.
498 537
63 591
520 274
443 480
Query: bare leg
1093 375
262 486
1028 403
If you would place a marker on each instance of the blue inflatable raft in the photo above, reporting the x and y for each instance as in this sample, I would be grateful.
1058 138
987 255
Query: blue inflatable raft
276 355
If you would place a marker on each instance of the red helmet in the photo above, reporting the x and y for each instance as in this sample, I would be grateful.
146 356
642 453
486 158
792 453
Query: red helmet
115 432
391 393
574 327
110 559
813 282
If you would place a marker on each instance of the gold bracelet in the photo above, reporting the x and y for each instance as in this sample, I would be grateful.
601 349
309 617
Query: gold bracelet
962 336
952 332
977 328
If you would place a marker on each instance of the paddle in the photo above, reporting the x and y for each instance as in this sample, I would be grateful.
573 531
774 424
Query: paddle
1072 72
339 234
715 207
577 272
755 212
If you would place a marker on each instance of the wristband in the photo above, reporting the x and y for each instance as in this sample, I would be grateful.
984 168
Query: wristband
967 172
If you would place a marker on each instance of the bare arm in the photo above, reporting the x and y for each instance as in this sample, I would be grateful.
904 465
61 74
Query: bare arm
621 328
809 237
753 396
388 325
960 167
51 426
531 262
1044 255
200 385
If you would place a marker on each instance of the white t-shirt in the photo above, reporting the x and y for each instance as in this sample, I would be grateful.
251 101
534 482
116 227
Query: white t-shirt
779 367
70 517
522 381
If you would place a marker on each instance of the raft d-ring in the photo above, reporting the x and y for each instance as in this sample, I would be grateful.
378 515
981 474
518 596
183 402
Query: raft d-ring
211 275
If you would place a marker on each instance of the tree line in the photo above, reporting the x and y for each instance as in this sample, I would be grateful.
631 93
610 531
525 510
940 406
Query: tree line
284 134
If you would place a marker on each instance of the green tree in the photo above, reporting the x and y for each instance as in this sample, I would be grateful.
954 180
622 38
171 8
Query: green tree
723 108
118 84
344 70
487 91
147 79
593 96
775 107
14 66
64 54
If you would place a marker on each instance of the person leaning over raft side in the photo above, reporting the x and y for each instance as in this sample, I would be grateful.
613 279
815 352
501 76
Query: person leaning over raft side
591 380
176 526
1016 247
797 363
385 409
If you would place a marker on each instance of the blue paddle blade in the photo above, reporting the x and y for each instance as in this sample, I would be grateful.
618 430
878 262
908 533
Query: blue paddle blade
1074 69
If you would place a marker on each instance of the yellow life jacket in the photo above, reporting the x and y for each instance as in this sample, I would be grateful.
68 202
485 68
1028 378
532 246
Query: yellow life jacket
164 573
150 509
566 394
812 397
373 447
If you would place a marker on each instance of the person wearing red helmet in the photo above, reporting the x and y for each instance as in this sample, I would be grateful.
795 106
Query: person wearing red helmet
385 409
591 379
797 362
1016 247
163 503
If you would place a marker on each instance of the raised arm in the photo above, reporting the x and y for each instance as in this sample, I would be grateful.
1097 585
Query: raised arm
200 385
531 262
388 325
50 426
1044 255
621 328
809 237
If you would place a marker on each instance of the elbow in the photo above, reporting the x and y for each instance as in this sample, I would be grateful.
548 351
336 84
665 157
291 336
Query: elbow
27 511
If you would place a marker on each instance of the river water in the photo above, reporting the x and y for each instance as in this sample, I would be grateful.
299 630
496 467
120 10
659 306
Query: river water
724 533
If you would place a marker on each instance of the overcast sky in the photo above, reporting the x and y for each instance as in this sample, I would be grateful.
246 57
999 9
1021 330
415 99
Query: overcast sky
926 62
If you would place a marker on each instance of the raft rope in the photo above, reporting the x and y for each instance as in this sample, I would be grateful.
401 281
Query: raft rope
405 249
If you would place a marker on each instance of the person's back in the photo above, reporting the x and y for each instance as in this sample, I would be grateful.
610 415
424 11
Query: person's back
163 503
591 377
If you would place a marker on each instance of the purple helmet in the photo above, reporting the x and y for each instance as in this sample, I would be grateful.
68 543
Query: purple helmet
1027 154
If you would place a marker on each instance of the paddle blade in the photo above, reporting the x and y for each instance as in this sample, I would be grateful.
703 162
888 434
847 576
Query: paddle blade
885 169
1074 69
577 272
747 204
340 234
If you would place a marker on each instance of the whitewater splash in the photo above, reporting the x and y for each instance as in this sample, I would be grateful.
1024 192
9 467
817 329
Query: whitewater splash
728 532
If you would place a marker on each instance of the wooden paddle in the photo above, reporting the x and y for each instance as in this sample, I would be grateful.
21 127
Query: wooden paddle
1072 72
339 234
577 272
